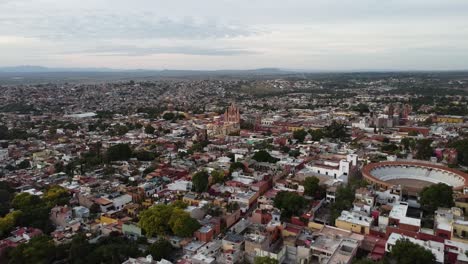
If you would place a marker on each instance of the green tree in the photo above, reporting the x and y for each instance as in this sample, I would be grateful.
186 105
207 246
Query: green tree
119 152
35 211
58 166
389 148
336 130
25 164
236 166
294 153
24 201
408 143
344 198
79 249
119 130
6 195
265 260
56 195
434 196
198 146
112 250
423 149
462 148
290 203
361 108
366 261
200 181
169 116
182 224
217 176
154 220
299 135
264 156
312 188
161 249
3 132
317 134
149 129
8 222
406 252
145 156
179 204
39 250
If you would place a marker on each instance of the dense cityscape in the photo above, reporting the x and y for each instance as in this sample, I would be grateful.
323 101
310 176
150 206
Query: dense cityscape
273 168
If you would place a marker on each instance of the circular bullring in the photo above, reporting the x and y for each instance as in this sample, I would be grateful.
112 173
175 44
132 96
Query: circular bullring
413 175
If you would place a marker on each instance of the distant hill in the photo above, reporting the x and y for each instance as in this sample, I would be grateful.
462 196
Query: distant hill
39 74
41 69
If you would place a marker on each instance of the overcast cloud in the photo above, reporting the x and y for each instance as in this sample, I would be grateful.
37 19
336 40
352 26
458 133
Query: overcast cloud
236 34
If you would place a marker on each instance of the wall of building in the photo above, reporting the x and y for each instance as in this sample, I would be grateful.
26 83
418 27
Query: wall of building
356 228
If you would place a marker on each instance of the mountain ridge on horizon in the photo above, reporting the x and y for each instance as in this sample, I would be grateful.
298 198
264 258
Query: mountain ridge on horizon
31 69
43 69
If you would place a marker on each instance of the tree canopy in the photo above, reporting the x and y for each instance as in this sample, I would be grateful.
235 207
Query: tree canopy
312 188
218 176
344 199
200 181
161 249
6 195
236 166
119 152
406 252
8 222
290 203
361 108
40 250
182 224
35 212
145 155
435 196
462 148
56 195
423 149
300 135
164 219
149 129
316 134
264 156
154 220
265 260
112 250
336 130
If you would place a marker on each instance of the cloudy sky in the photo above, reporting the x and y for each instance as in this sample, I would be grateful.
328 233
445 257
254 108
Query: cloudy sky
236 34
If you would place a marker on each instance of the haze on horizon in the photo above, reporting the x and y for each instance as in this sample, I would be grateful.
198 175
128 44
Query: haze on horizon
236 34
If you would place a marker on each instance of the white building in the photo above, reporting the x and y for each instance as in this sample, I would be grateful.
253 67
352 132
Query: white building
180 185
121 201
336 169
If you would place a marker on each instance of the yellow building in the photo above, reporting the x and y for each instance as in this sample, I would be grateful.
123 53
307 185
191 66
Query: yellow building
293 128
449 119
107 220
462 202
354 222
191 199
460 231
